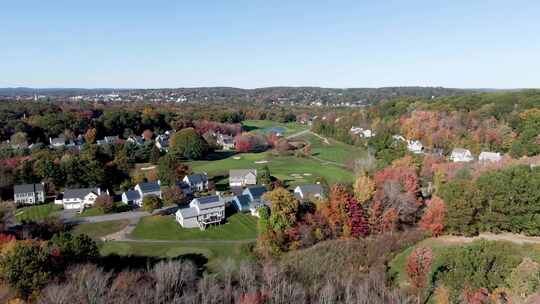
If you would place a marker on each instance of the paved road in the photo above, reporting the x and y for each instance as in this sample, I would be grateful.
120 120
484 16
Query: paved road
69 216
298 134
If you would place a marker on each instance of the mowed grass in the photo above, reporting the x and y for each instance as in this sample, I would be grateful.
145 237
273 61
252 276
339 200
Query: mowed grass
291 169
101 229
334 151
37 213
238 227
259 125
215 253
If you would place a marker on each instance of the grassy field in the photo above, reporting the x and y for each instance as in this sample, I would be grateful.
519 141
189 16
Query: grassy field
214 253
334 151
36 213
238 227
259 125
290 169
98 230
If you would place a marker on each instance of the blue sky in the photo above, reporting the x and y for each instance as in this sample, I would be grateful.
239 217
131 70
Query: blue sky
138 44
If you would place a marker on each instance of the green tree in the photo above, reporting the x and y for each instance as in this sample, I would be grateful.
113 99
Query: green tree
170 169
481 264
284 209
188 144
152 202
265 178
155 154
27 268
463 205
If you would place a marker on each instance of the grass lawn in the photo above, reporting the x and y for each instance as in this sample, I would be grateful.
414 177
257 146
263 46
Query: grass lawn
215 253
36 213
92 211
238 227
259 125
335 151
98 230
306 170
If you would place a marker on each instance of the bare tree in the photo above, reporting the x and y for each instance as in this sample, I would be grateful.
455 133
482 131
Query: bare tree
171 277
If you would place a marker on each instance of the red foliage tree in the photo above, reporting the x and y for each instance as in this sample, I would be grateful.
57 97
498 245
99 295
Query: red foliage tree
418 266
242 144
433 218
358 224
147 134
375 218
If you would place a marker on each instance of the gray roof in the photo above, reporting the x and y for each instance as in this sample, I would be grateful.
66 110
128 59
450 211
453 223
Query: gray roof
132 195
311 189
188 212
209 201
241 173
197 178
58 141
149 187
79 193
27 188
256 191
460 151
244 200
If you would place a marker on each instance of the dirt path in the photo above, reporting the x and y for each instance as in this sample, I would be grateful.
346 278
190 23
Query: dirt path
509 237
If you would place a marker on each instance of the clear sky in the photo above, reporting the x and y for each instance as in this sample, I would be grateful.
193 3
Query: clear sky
359 43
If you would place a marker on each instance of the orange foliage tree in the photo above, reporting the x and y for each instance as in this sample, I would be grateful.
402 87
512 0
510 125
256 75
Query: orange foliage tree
434 215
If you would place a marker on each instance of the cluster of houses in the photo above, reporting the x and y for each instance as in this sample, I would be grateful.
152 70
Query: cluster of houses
364 133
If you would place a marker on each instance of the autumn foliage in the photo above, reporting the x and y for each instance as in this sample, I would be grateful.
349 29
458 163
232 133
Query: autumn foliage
434 215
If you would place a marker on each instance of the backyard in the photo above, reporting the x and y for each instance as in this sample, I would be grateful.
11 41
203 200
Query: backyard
238 227
37 212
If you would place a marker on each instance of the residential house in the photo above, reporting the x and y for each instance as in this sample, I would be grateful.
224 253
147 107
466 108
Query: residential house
398 137
138 140
415 146
489 157
309 192
57 142
131 197
108 140
242 177
365 133
250 200
461 155
29 194
162 142
202 211
225 141
145 189
185 188
197 182
80 198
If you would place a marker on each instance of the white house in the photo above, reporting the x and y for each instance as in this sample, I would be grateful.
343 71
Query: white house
489 157
162 142
28 194
242 177
135 196
225 141
310 191
461 155
366 133
398 137
197 182
202 211
415 146
57 142
80 198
